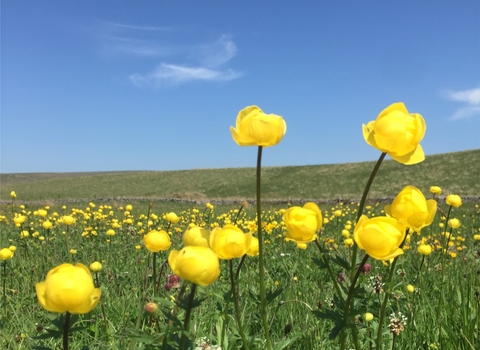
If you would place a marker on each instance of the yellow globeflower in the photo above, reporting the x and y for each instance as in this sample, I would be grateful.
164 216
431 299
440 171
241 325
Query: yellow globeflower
454 200
68 288
435 190
303 223
197 236
411 207
19 219
230 242
172 217
255 128
424 249
12 248
42 213
95 266
68 220
199 265
6 254
454 223
380 236
156 241
410 288
398 133
111 232
253 250
128 207
47 224
13 195
337 213
368 316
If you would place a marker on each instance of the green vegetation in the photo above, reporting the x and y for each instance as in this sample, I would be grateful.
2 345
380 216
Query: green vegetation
455 172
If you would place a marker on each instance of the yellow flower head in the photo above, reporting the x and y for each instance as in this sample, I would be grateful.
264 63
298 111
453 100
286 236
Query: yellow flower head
199 265
410 288
19 219
255 128
95 266
380 236
454 223
197 236
6 254
454 200
435 190
156 241
253 249
68 288
411 207
68 220
424 249
128 207
47 224
172 217
398 133
303 223
110 232
368 317
42 213
13 195
230 242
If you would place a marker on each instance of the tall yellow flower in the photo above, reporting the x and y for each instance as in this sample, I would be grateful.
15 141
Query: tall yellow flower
303 223
230 242
156 241
380 237
68 220
398 133
68 288
411 207
255 128
6 254
172 217
197 236
199 265
454 200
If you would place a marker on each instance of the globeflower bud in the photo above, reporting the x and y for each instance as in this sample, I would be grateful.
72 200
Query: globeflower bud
96 266
156 241
197 236
151 308
435 190
398 133
454 223
368 317
454 200
172 217
6 254
424 249
255 128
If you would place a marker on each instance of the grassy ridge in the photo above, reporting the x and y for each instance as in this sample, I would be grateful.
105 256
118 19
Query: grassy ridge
455 172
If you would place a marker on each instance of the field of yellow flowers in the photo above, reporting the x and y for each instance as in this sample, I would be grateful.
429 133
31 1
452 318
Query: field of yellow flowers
355 275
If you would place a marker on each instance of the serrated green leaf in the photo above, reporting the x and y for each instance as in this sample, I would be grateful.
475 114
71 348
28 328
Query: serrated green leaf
335 331
319 263
271 296
341 262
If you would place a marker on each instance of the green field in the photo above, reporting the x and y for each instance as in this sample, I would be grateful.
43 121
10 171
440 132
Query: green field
455 172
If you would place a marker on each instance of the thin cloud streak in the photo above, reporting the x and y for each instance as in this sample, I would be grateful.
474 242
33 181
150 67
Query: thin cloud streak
170 74
471 97
147 28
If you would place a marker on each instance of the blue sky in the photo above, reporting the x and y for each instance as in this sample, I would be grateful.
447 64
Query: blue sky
155 85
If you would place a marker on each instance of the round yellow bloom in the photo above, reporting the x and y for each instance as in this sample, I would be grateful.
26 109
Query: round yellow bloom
255 128
128 207
476 237
68 220
95 266
156 241
253 249
6 254
73 251
337 213
19 219
454 200
13 195
424 249
454 223
229 242
380 236
68 288
303 223
111 233
42 213
199 265
398 133
368 317
410 288
435 190
197 236
302 246
348 242
12 248
47 224
172 217
411 207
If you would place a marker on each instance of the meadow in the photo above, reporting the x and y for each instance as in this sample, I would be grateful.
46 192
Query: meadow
299 292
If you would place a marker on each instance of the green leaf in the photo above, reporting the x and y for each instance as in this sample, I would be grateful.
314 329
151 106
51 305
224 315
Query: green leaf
271 296
284 343
183 304
335 331
319 263
341 262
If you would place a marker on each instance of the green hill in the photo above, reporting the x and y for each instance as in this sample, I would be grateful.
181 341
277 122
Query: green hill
454 172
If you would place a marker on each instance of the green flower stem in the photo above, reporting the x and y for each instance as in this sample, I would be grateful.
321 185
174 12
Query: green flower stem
66 328
362 205
236 306
66 244
154 275
225 314
4 290
385 299
186 322
103 306
444 254
330 271
346 312
261 268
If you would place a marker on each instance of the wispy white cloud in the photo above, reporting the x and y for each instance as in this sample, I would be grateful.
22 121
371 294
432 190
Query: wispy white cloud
211 59
170 74
470 97
147 28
